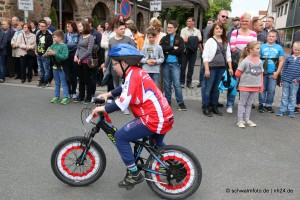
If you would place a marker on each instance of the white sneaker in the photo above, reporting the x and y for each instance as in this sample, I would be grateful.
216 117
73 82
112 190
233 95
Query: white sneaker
251 123
241 124
229 110
126 111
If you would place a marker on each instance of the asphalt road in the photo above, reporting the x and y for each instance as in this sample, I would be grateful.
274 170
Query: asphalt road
261 159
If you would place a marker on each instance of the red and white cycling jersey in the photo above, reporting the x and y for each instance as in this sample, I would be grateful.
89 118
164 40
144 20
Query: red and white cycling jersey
146 101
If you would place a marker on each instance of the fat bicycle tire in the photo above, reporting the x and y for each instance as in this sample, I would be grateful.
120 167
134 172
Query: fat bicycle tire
63 160
182 187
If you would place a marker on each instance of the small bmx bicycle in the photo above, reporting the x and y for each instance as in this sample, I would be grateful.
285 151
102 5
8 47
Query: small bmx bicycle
172 171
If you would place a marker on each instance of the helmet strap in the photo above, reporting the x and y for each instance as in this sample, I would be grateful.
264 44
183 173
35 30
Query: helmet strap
124 72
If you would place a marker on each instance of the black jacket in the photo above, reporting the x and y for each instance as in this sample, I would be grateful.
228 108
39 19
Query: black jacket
42 45
167 49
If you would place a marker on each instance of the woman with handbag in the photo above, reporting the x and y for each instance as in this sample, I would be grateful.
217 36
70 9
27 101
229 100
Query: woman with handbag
83 55
215 50
26 43
238 41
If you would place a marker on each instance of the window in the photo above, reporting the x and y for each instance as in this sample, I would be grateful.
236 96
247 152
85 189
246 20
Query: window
281 12
278 13
292 5
285 10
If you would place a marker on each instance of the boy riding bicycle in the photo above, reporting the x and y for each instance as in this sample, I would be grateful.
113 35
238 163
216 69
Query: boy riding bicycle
153 114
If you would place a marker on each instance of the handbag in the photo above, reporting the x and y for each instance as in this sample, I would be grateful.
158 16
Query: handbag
235 56
30 52
92 63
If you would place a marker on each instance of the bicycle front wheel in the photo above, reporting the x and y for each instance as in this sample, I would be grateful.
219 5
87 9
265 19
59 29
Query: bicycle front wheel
67 154
181 179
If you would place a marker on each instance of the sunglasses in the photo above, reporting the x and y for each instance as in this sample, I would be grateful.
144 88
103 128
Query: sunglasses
223 16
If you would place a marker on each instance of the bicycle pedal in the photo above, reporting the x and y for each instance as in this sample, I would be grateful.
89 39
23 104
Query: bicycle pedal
130 187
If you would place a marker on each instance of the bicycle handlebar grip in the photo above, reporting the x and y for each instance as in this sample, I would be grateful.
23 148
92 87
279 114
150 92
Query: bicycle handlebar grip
99 100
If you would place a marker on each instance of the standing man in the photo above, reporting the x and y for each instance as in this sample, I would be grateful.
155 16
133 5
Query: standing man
269 25
43 42
14 22
208 23
173 48
49 26
191 37
235 25
258 27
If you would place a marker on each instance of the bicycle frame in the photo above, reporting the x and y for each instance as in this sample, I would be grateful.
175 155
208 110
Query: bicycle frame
104 124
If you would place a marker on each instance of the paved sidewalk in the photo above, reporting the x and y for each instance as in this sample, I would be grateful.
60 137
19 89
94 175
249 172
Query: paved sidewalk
188 94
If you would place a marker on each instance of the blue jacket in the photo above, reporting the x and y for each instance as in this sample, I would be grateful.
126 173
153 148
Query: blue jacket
3 42
71 40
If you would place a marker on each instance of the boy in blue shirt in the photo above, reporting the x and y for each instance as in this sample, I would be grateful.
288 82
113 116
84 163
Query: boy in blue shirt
290 82
273 56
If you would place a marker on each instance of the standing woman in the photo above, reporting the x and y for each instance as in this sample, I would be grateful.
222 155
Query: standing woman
26 43
71 40
16 50
238 41
83 52
215 51
3 43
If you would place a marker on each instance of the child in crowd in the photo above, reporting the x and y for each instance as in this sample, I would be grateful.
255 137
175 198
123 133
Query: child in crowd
273 56
58 52
154 56
290 82
250 74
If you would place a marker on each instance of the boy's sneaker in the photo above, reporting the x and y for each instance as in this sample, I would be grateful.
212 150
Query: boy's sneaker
65 101
126 111
40 83
296 110
261 109
181 107
269 109
131 179
78 99
280 113
55 100
46 84
241 124
250 123
190 86
292 114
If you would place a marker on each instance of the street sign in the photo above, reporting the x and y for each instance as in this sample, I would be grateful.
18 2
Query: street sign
25 5
155 6
125 8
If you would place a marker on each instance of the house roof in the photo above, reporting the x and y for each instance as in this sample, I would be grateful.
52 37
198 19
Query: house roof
274 3
281 2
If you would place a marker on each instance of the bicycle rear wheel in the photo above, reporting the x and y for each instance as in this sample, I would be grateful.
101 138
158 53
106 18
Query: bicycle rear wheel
67 153
183 177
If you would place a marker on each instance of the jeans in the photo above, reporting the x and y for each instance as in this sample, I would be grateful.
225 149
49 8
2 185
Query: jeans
189 59
60 79
44 68
26 63
266 98
288 99
171 73
210 91
132 131
154 76
201 73
230 98
2 67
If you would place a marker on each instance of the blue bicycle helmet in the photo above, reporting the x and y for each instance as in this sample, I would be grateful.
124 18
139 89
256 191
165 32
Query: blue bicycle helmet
126 53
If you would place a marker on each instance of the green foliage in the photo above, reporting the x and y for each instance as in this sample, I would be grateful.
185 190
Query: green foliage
215 7
96 21
177 13
53 17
